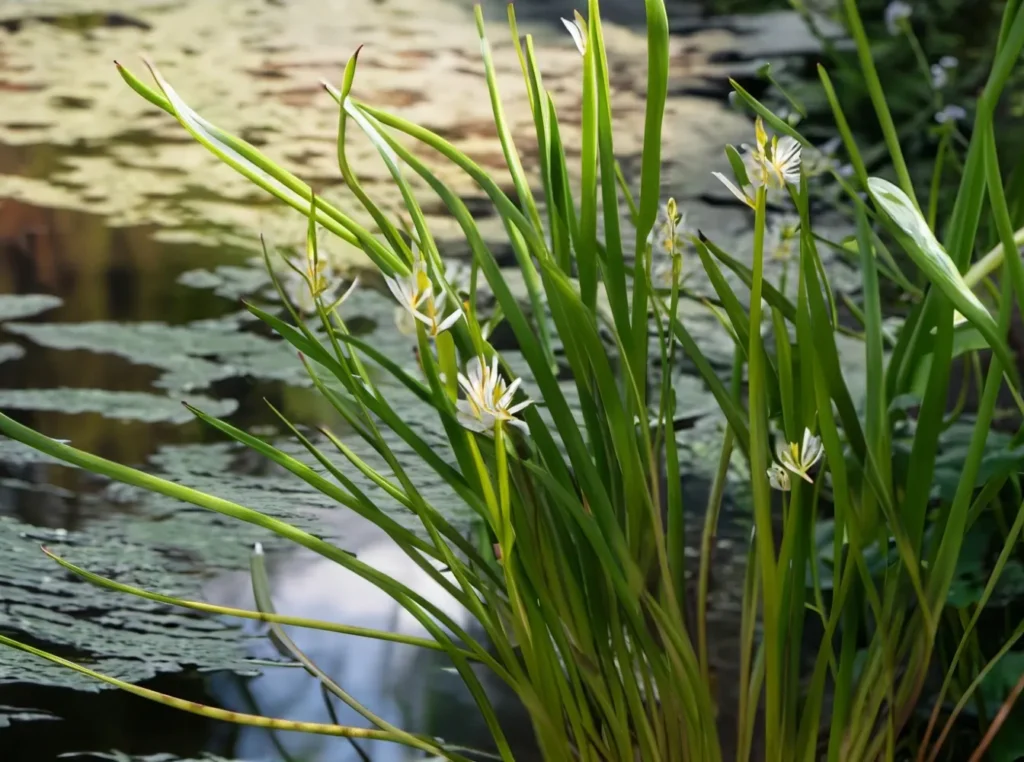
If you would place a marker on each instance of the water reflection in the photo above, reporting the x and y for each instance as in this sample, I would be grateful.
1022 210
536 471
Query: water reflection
406 686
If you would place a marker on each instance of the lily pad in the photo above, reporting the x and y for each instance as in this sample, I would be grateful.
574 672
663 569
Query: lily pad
12 714
193 356
130 406
10 352
19 306
124 636
229 281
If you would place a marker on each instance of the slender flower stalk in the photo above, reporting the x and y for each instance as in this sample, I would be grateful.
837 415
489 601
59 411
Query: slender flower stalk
488 398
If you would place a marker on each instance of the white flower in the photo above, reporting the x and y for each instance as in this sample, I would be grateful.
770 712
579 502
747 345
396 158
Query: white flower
417 298
951 113
578 31
488 398
940 78
769 164
949 62
737 192
896 13
778 478
784 162
801 458
306 290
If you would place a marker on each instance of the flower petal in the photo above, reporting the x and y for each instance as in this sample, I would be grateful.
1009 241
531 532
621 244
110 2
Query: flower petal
519 406
472 423
509 393
449 321
521 425
778 478
786 159
428 321
732 188
397 289
577 35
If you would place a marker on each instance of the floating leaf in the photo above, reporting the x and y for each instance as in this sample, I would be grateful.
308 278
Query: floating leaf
11 352
18 306
125 406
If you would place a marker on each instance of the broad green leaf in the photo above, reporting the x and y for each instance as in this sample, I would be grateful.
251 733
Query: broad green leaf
929 255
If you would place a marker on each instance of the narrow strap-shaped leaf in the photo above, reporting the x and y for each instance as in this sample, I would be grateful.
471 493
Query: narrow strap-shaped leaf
615 270
550 390
269 176
738 319
413 602
264 603
349 177
650 167
877 429
877 95
259 616
366 510
733 412
515 166
214 713
586 248
771 294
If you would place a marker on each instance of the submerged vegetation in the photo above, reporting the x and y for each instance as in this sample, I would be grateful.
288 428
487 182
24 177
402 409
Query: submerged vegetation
880 614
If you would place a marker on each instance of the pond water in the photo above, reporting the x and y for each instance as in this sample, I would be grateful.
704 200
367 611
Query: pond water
124 251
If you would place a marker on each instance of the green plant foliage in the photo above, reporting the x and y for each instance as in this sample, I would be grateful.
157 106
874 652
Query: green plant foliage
536 481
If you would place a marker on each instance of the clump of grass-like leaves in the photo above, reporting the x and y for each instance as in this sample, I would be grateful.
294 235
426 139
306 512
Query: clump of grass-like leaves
578 578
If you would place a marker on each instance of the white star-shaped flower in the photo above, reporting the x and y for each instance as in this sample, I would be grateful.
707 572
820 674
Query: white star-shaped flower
417 298
488 398
801 458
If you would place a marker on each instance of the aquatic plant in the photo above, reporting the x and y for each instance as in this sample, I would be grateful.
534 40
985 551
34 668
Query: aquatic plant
577 576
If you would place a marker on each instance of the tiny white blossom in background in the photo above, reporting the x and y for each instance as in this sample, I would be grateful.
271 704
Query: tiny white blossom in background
664 272
418 300
896 13
778 478
940 77
305 290
951 113
578 31
780 235
949 62
801 458
488 398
